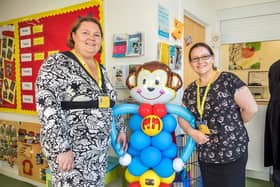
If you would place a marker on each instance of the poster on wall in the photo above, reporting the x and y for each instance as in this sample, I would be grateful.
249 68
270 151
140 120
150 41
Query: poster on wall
163 22
42 36
126 45
245 56
7 67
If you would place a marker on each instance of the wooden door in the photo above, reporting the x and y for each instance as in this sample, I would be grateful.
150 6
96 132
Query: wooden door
196 33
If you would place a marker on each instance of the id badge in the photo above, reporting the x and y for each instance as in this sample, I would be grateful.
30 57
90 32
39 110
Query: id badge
103 101
202 126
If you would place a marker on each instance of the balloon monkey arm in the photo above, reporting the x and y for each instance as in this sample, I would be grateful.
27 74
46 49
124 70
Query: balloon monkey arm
120 110
178 163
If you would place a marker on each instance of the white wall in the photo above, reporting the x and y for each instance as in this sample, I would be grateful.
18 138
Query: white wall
258 22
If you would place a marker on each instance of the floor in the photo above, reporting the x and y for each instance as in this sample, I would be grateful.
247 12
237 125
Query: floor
10 182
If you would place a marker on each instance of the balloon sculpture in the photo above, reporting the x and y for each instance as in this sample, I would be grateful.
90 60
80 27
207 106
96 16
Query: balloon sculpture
151 155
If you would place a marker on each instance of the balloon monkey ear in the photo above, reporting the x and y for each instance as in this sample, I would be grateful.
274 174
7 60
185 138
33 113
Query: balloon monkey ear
176 82
131 80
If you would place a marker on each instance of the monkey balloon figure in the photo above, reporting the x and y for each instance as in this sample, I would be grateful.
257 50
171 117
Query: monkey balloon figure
151 158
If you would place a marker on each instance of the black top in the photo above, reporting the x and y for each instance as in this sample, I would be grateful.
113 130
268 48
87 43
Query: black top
229 137
272 121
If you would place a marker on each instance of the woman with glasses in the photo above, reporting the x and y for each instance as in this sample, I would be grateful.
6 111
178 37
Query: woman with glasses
74 100
221 103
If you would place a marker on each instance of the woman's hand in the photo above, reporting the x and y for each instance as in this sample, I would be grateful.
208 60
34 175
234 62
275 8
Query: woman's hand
198 136
65 161
122 138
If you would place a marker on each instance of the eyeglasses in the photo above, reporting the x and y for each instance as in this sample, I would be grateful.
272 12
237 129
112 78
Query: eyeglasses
204 58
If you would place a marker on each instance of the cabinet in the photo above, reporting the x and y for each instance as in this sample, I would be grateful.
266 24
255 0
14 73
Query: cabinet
259 92
258 85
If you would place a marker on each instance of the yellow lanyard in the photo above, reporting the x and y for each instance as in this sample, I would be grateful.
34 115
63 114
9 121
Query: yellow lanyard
200 106
99 81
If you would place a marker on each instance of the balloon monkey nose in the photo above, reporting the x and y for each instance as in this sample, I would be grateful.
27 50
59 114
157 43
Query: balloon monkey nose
151 89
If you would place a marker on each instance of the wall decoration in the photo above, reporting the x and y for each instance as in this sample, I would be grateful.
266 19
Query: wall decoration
8 141
178 29
7 67
119 74
26 42
244 56
170 55
125 45
163 22
188 40
31 162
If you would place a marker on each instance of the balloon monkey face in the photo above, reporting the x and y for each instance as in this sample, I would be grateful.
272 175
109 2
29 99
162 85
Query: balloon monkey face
153 83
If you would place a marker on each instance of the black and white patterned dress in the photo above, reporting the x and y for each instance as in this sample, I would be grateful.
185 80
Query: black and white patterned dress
85 130
229 137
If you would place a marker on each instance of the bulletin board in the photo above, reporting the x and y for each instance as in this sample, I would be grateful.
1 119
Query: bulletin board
26 42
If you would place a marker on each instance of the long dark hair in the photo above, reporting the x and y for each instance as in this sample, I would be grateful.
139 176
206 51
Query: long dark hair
77 24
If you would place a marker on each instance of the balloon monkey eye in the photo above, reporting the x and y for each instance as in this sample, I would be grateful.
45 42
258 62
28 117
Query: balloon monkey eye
157 82
144 81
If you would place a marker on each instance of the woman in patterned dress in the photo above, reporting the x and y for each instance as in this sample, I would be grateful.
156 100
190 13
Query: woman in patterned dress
74 101
221 103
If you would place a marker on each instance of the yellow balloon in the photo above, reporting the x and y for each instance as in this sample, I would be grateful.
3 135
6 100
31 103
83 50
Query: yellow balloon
152 125
129 177
168 180
149 179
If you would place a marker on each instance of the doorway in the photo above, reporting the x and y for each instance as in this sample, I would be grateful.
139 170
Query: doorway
193 32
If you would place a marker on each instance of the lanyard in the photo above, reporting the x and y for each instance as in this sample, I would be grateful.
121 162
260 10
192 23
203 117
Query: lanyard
99 81
200 105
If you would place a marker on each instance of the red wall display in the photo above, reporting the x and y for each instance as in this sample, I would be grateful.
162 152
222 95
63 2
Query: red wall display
37 37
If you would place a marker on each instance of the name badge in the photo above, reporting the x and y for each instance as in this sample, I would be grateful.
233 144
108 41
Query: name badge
103 101
202 126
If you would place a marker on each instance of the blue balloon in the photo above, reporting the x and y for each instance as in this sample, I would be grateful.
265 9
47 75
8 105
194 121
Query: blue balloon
171 109
169 123
162 141
135 122
186 115
171 151
132 151
150 156
119 110
136 167
164 168
139 140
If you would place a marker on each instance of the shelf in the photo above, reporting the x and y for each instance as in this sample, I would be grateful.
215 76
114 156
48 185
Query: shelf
257 86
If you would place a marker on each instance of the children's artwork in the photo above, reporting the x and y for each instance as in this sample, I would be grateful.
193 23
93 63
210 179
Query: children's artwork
8 141
178 29
7 67
119 74
244 56
31 161
125 45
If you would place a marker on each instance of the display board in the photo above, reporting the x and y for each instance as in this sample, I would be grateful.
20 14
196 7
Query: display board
30 159
26 42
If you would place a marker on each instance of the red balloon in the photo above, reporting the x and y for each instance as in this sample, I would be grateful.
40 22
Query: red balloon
165 185
134 184
159 110
145 109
